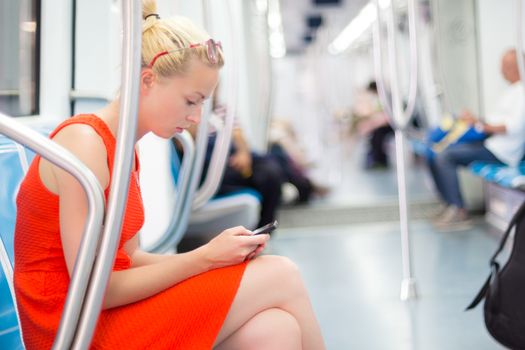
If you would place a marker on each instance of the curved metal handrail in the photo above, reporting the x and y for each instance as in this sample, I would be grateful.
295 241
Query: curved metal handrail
222 143
173 238
95 196
519 41
131 66
399 116
183 182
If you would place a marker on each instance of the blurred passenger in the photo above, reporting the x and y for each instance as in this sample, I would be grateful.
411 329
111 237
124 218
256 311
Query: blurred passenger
373 122
247 169
505 127
284 146
220 295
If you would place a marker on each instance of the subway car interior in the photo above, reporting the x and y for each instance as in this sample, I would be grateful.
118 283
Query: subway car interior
385 137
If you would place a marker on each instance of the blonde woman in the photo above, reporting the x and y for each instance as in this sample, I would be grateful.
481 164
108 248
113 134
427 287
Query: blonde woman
220 295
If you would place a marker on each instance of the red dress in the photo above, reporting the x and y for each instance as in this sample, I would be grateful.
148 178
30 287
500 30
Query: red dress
188 315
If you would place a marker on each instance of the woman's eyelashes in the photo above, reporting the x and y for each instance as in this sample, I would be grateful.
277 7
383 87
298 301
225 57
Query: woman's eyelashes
193 102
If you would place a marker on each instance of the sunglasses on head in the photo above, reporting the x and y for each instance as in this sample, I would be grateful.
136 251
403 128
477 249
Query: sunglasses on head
213 49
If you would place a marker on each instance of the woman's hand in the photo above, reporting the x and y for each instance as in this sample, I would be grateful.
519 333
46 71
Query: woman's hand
233 246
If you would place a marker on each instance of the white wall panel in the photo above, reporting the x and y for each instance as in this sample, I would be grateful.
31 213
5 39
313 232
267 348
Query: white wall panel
55 65
98 49
497 33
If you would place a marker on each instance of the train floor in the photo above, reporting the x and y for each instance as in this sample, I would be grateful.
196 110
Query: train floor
353 273
348 249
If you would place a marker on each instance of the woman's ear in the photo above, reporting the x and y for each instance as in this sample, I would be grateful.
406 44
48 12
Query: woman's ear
147 80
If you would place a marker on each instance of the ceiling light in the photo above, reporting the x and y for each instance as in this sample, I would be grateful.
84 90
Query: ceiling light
354 29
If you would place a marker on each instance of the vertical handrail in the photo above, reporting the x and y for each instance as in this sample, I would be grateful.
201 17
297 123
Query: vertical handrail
400 118
519 41
95 214
131 66
222 145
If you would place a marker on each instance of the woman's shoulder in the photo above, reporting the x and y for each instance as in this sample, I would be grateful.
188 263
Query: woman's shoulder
81 138
84 142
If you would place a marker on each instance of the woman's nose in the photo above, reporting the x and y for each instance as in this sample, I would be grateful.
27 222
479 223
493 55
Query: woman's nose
195 117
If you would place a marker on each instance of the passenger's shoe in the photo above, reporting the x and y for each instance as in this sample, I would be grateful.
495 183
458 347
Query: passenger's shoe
438 212
453 219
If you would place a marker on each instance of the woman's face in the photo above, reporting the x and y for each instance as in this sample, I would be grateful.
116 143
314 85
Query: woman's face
170 105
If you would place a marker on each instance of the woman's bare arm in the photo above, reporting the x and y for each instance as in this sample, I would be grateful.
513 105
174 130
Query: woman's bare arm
151 273
140 257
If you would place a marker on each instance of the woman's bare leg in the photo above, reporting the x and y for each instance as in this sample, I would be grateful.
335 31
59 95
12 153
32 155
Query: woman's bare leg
268 330
273 282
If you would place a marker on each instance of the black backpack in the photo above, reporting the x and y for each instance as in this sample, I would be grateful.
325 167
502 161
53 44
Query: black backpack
504 290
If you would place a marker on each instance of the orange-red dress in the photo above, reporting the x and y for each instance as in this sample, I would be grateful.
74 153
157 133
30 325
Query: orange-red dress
186 316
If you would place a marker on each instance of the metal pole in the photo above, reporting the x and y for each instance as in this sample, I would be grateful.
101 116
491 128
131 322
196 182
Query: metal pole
131 66
399 119
408 284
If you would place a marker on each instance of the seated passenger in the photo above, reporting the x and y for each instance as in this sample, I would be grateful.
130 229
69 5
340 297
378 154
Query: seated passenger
220 295
373 122
247 169
505 145
284 147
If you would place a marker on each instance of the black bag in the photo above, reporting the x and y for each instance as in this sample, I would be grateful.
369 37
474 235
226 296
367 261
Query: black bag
504 290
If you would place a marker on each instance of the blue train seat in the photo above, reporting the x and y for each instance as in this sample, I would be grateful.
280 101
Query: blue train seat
505 176
14 162
222 212
13 166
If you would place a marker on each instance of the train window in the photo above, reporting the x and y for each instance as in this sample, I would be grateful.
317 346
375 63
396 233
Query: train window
19 56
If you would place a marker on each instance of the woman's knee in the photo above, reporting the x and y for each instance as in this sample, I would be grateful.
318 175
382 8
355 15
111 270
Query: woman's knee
270 329
283 273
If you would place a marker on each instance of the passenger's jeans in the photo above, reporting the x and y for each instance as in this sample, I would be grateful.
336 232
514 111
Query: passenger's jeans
444 168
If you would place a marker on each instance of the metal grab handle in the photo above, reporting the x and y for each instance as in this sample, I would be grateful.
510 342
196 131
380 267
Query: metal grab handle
95 196
519 41
131 66
222 143
399 117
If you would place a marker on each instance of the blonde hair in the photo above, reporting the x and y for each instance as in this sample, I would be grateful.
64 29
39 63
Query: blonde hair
159 34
